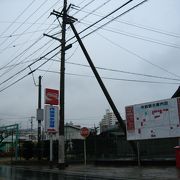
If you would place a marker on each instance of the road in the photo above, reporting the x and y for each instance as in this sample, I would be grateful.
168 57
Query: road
88 173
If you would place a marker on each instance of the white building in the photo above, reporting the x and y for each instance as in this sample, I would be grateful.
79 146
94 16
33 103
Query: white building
109 120
72 132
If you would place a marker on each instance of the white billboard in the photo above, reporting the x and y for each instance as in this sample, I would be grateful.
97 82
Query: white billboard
51 118
158 119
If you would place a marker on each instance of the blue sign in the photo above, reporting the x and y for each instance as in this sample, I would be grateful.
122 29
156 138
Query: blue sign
52 117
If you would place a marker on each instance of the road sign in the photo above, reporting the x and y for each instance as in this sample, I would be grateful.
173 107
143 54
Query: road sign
84 132
51 96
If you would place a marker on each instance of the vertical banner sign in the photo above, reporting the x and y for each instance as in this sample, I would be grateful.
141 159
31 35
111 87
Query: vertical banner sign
178 104
51 118
51 96
130 118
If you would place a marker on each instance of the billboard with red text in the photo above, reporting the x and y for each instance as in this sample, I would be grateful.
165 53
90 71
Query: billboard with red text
158 119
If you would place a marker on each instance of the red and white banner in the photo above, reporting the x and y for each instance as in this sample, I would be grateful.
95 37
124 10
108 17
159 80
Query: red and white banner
51 96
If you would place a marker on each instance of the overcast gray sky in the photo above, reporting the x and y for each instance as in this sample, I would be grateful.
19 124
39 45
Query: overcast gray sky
145 40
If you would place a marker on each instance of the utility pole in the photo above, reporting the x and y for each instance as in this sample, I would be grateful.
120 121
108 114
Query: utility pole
106 93
39 119
70 21
63 15
31 120
61 154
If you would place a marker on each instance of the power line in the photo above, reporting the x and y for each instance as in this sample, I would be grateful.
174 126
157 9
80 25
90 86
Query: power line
108 69
117 9
25 20
37 50
22 53
18 44
110 20
22 70
27 49
99 7
84 6
21 34
20 22
160 31
34 22
140 37
138 56
29 5
19 55
126 72
110 78
121 71
121 46
6 87
72 53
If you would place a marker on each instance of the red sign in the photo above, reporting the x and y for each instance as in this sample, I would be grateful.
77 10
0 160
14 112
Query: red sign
84 132
51 96
130 118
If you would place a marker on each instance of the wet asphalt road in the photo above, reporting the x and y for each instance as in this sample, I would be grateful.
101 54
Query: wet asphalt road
89 173
11 173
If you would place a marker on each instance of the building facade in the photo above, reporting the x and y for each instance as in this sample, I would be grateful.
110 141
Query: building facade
108 121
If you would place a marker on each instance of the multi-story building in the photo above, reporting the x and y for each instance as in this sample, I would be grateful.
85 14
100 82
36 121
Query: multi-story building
109 120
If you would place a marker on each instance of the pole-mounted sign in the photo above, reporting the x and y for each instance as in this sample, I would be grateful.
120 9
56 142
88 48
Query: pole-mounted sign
51 118
51 96
51 101
85 133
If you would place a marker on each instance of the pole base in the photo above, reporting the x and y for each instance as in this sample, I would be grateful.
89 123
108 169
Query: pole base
61 166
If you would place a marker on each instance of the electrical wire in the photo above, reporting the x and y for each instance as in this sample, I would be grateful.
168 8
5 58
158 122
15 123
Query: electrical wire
100 27
18 56
152 29
94 10
117 31
120 71
39 7
125 72
111 78
117 9
4 66
121 46
20 22
29 5
22 70
108 69
27 49
37 50
23 34
84 6
6 87
138 56
34 22
19 44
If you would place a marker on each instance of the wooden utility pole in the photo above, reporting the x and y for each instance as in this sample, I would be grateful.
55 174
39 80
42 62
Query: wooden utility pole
61 159
39 119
